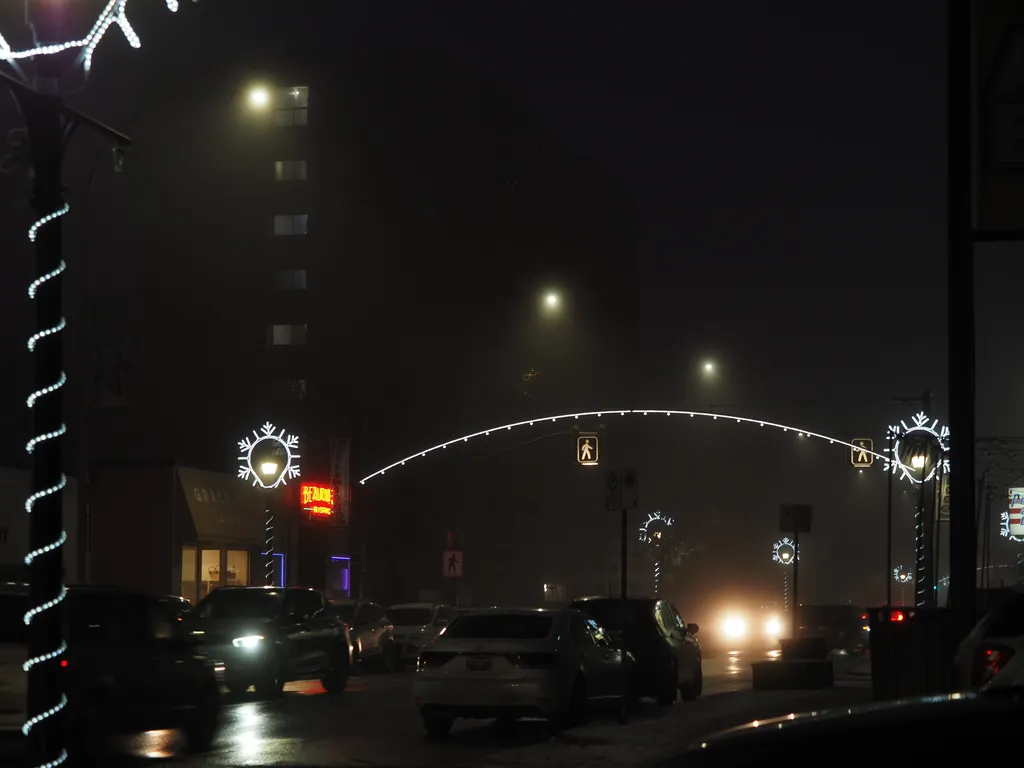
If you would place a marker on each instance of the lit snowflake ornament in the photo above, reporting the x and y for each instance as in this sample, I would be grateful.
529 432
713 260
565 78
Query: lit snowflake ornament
653 530
784 552
921 428
269 460
901 575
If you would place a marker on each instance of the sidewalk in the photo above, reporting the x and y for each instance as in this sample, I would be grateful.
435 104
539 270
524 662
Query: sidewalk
657 733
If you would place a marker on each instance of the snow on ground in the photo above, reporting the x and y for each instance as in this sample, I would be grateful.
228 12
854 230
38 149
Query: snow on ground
655 733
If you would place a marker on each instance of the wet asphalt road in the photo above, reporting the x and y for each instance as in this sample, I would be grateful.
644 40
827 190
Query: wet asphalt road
373 723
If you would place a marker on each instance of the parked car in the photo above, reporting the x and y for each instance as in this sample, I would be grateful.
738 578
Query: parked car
130 667
268 636
994 644
512 663
176 606
417 625
373 635
666 649
844 628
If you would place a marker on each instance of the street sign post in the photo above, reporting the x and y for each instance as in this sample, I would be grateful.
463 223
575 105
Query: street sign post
795 519
862 452
451 567
587 450
621 495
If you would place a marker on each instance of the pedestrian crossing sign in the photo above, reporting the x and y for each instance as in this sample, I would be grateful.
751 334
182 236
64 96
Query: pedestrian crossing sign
587 450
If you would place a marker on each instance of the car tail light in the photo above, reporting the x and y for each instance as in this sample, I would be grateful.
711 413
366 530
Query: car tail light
896 616
63 663
432 659
991 661
534 660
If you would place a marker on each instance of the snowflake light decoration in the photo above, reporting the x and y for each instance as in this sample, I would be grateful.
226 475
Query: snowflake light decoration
784 551
115 12
901 575
282 445
652 531
920 428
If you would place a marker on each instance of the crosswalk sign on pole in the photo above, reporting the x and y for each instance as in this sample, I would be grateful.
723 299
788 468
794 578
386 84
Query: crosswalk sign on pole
452 565
862 452
587 447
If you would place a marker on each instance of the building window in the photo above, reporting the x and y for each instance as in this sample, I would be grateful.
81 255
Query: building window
291 280
289 170
287 335
290 390
292 106
291 224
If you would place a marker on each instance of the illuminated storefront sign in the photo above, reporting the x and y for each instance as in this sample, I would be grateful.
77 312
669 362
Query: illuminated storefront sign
317 499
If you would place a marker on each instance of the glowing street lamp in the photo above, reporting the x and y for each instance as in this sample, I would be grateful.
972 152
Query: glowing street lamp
709 368
259 97
276 453
784 552
917 462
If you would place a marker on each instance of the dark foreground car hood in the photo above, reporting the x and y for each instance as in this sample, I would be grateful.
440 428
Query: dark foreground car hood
931 725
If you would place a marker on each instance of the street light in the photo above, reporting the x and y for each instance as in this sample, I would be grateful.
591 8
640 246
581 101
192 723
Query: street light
709 368
259 97
917 462
551 302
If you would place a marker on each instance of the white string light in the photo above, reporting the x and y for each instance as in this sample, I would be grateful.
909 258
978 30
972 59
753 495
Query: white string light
621 412
30 502
115 12
268 578
285 445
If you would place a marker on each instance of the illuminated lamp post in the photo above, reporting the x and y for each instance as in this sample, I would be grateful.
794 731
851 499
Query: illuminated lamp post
784 552
49 126
269 459
654 533
919 453
902 576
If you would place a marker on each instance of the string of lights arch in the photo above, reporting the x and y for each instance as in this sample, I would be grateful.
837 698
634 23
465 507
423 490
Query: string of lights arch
270 458
800 432
927 431
49 126
654 533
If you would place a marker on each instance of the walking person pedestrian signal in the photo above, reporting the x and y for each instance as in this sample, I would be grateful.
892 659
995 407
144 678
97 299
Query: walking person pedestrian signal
452 564
587 450
862 452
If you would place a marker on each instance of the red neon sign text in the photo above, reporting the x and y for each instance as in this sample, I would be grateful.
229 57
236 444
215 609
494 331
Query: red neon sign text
317 499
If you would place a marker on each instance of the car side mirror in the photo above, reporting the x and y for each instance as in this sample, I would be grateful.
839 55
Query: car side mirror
693 629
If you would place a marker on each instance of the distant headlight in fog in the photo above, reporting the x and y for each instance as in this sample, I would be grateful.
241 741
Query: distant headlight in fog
773 628
734 627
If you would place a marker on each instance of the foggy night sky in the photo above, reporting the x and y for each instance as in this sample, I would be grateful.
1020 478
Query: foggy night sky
784 165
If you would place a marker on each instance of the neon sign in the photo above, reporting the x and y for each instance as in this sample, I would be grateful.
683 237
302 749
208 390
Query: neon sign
317 499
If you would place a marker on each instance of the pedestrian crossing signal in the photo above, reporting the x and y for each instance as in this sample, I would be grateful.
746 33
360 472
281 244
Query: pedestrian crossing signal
862 452
587 450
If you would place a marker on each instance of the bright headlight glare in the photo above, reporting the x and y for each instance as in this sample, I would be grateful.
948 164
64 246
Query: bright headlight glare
249 641
734 627
773 628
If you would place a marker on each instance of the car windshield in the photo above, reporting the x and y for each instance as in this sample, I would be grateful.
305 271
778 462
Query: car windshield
608 613
410 617
12 618
240 604
344 611
501 626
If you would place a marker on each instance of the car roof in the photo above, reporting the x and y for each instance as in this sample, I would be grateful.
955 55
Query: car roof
431 606
606 599
519 611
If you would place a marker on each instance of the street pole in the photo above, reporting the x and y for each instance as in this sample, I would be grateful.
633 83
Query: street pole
888 525
796 580
268 532
960 315
624 585
921 548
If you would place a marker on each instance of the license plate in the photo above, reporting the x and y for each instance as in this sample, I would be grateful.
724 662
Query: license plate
478 664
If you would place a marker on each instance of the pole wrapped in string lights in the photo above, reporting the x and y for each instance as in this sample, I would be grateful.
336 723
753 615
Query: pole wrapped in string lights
784 552
50 125
270 458
654 533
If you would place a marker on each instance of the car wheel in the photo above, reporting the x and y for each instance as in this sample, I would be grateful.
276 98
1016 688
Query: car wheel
336 678
692 690
438 726
389 658
670 689
203 722
273 684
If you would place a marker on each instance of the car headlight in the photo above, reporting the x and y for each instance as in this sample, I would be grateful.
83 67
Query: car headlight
249 641
734 627
773 628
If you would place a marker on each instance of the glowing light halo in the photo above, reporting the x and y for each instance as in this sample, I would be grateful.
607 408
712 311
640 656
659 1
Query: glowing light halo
115 12
893 462
611 412
778 551
901 575
289 444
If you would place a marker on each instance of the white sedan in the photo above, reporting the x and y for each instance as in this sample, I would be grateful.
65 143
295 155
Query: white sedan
509 663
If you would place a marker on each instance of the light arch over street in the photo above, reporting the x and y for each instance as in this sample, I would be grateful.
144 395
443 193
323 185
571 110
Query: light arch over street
613 412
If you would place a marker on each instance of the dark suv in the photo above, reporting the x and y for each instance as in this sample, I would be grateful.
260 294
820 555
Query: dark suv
267 636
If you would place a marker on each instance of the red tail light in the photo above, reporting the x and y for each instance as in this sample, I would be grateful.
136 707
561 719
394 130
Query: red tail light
896 616
863 617
991 661
534 660
63 663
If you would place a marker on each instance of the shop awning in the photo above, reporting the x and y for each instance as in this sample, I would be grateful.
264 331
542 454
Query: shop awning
223 508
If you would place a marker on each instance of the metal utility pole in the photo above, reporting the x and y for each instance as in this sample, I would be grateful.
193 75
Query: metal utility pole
960 316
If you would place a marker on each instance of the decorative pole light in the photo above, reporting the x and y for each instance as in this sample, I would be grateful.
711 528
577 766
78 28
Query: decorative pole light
49 125
784 552
902 576
654 533
269 459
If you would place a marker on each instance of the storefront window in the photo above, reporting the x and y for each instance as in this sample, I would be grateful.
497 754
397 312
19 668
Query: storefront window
188 574
238 568
209 572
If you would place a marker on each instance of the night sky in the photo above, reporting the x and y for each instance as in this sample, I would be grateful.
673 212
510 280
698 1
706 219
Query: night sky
776 172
